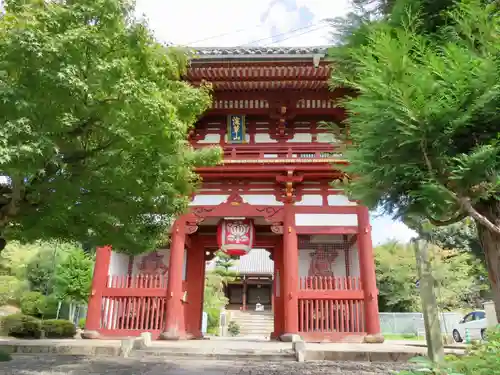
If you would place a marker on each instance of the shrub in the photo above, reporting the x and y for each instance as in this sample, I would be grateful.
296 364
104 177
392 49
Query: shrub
233 328
213 317
480 359
22 326
81 323
10 288
48 307
4 356
58 328
32 303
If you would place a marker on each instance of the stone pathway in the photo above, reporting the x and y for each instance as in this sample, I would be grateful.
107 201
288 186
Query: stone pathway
77 365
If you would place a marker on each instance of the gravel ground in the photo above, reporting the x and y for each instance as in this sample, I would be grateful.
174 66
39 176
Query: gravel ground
74 365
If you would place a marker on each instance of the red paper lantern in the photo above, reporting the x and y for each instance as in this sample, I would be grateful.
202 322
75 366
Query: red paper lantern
236 236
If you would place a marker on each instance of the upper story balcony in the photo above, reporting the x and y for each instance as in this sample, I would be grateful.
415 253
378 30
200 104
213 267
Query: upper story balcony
300 153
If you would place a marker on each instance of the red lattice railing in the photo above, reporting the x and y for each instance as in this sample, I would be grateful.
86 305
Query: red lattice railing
330 283
331 316
331 305
138 281
133 304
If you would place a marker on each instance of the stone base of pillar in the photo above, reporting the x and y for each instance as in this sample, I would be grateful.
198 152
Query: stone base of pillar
90 335
374 339
290 337
174 334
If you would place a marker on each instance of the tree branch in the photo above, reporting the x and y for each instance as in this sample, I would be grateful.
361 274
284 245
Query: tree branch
453 220
467 206
464 202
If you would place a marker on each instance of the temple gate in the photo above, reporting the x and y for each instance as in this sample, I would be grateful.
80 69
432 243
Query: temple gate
279 162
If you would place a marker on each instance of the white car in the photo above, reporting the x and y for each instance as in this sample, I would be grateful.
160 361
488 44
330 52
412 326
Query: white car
475 323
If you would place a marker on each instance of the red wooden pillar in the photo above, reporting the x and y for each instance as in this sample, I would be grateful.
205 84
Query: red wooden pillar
278 291
195 277
290 273
367 270
99 283
174 318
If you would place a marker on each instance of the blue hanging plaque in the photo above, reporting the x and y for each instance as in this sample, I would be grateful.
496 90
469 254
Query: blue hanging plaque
236 129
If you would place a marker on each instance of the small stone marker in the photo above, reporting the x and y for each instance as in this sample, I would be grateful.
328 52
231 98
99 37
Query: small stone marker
299 347
126 347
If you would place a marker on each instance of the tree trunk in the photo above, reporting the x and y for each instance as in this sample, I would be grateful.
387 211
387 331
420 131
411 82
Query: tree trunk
490 241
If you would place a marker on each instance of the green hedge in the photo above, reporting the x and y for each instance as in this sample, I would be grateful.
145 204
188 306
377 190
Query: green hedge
58 328
22 326
28 327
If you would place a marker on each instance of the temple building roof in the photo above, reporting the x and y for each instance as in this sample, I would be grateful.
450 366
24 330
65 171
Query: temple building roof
256 262
258 53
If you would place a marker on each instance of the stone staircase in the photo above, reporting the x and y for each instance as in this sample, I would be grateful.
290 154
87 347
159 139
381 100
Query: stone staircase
254 323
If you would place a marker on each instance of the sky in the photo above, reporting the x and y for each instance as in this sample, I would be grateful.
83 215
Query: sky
225 23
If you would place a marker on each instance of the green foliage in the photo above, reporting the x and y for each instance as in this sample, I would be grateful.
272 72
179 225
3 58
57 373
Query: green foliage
223 264
10 289
100 154
22 326
74 277
427 111
48 307
41 271
81 323
33 303
4 356
213 319
480 359
456 275
58 329
233 328
213 294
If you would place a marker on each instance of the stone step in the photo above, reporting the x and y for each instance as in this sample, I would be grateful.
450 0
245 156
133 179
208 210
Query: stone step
222 355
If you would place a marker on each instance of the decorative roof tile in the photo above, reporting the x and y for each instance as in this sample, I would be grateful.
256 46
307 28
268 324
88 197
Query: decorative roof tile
257 52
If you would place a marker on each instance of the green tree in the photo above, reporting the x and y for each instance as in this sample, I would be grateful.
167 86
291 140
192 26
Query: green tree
223 264
458 275
94 120
213 296
41 269
74 277
425 135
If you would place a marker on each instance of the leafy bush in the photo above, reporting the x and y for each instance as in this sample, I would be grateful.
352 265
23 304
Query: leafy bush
48 307
22 326
58 328
480 359
32 303
10 288
38 305
81 323
4 357
213 317
233 328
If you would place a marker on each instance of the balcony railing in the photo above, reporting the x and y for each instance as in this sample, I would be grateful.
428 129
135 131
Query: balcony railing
268 152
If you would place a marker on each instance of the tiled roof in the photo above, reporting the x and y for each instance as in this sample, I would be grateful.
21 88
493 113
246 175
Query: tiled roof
257 52
256 262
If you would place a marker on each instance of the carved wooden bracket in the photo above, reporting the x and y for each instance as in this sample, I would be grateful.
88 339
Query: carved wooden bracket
289 180
277 228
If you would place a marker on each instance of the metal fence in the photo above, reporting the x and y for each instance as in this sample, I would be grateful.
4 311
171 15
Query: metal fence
413 323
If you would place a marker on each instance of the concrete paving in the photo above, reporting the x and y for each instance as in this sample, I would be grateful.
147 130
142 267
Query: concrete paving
225 349
77 365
